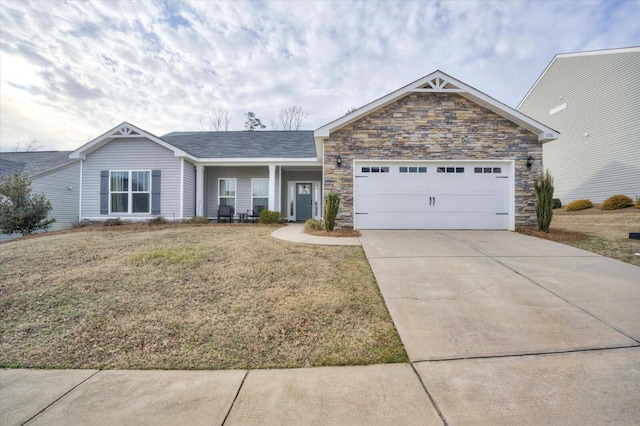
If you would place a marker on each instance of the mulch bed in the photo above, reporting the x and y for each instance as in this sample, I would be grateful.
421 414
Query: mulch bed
554 234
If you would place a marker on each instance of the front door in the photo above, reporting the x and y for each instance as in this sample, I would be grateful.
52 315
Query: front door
304 201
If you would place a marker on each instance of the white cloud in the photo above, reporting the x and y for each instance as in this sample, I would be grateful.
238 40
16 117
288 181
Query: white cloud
73 70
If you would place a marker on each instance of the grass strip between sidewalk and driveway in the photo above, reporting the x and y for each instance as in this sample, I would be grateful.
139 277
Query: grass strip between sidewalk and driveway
188 297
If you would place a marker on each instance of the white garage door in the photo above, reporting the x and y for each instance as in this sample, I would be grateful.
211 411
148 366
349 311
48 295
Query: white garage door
432 195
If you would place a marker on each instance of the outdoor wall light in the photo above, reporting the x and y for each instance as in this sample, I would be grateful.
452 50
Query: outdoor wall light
339 161
529 162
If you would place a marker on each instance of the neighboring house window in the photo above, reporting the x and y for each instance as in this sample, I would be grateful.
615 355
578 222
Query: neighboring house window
227 192
259 193
130 191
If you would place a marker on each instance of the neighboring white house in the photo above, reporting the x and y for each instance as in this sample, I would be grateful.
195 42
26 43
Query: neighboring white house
593 100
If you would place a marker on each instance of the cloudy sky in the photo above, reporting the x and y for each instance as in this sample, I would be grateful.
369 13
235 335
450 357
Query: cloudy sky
71 70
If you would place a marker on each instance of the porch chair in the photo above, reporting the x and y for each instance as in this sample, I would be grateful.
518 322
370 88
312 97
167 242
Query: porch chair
225 211
255 213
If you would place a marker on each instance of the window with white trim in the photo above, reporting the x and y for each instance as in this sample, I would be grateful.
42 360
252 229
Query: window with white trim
259 193
130 191
227 192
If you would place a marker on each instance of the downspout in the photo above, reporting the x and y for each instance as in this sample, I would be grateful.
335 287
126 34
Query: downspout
182 188
80 194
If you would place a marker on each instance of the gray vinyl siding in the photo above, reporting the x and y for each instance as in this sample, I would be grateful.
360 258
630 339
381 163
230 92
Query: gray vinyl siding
602 93
189 190
55 187
131 154
243 177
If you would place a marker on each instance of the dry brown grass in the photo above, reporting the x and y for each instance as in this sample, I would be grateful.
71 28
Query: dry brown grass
604 232
188 297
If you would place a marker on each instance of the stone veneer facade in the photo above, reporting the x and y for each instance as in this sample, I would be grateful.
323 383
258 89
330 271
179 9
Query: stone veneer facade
432 126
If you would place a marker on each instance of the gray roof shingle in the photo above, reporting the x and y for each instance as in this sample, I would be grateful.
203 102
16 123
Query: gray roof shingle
245 144
34 162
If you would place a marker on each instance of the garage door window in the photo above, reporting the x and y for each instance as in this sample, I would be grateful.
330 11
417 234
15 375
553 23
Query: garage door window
487 169
375 170
412 169
450 169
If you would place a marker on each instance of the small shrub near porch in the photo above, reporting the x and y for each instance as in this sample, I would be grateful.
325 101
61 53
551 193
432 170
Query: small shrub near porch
268 216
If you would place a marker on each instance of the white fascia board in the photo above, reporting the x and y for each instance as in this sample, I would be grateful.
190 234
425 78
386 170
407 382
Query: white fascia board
105 138
537 81
507 112
600 52
258 161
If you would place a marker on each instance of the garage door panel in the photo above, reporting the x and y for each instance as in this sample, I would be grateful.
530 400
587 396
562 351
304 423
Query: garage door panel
431 200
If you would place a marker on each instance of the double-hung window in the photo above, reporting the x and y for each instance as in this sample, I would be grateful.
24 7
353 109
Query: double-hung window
130 191
259 193
227 192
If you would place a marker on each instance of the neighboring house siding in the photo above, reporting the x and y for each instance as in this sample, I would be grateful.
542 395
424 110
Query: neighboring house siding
432 126
131 154
62 188
55 186
243 177
602 96
189 190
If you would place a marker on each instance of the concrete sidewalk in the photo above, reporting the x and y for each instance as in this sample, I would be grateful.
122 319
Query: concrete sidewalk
365 395
294 232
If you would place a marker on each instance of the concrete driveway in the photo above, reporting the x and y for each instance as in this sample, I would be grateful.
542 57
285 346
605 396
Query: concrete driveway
505 328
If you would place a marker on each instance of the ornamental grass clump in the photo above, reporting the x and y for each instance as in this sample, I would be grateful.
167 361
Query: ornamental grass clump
544 205
637 205
579 205
331 204
313 225
616 202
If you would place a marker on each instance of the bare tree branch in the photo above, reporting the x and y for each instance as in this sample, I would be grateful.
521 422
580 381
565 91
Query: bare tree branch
34 145
291 118
219 119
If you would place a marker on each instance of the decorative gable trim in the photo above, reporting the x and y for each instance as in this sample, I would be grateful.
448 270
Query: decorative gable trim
126 131
439 85
121 131
439 82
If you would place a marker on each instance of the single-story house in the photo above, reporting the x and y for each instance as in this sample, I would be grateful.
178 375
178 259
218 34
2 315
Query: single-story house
593 100
435 154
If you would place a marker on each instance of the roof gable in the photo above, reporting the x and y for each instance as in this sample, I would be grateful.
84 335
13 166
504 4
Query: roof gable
121 131
439 82
577 55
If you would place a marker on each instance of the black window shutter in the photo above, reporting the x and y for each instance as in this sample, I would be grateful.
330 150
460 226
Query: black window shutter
104 192
155 192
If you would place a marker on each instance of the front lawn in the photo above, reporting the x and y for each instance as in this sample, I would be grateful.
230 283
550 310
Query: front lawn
188 297
605 232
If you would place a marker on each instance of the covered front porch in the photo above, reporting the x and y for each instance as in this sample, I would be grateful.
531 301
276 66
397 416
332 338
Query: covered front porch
293 190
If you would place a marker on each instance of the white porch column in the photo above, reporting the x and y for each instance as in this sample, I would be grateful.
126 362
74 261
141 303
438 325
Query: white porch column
200 190
272 187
